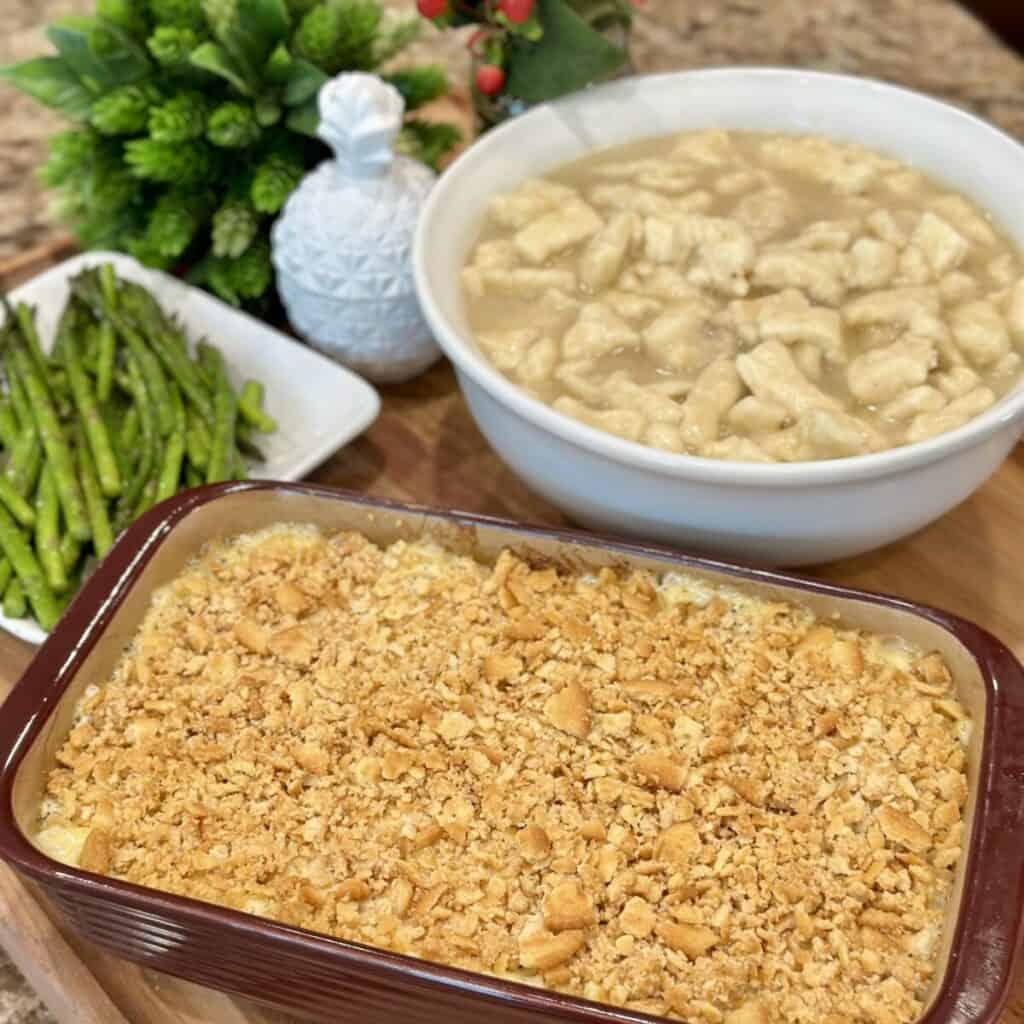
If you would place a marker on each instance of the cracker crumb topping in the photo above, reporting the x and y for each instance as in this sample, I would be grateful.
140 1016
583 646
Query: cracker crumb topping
651 792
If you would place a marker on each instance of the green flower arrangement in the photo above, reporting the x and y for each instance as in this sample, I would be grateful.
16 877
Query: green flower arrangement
196 119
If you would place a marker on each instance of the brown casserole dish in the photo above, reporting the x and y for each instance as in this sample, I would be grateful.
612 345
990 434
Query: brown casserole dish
974 950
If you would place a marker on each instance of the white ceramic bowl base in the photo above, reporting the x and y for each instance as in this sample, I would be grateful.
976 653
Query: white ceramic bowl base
796 514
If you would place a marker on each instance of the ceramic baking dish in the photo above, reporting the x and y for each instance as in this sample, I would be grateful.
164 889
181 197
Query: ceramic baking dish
341 981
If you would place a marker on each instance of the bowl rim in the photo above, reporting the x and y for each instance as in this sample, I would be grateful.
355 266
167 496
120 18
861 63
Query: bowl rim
1007 412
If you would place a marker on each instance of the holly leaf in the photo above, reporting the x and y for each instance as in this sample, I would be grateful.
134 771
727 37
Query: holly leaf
252 34
215 59
568 56
303 83
51 82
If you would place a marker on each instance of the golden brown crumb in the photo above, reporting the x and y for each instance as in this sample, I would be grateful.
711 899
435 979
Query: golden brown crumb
650 793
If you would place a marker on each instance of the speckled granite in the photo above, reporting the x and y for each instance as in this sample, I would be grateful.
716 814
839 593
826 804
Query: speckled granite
932 45
18 1004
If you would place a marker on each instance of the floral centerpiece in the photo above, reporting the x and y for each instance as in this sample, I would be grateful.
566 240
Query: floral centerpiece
196 119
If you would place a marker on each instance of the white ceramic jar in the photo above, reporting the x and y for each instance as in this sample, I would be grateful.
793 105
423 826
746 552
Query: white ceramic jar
342 246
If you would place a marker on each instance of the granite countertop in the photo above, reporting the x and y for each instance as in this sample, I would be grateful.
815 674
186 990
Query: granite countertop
931 45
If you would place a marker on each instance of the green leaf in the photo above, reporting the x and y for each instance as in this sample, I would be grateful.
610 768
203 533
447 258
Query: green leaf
419 85
252 35
51 82
215 59
303 83
267 111
125 58
305 119
568 56
279 65
125 13
102 54
427 141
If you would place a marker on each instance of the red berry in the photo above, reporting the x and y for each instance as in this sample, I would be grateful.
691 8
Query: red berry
490 79
432 8
517 11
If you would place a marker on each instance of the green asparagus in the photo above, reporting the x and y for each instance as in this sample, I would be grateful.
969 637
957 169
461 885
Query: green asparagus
15 606
8 424
250 407
15 503
23 560
48 531
170 472
225 407
55 444
92 421
99 520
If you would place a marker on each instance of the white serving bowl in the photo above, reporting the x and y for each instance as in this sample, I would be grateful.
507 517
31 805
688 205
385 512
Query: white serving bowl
793 514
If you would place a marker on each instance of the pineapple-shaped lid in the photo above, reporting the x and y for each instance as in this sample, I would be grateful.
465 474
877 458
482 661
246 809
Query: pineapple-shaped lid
346 233
351 221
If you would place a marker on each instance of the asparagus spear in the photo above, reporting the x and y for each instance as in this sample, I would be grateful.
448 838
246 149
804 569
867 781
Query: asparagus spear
170 472
8 424
15 606
134 489
105 361
48 531
92 421
197 440
250 406
54 443
15 503
18 551
22 469
99 520
225 407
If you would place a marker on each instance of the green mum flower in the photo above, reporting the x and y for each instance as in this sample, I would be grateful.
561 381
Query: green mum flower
233 126
317 36
275 180
123 111
177 163
339 36
71 155
174 222
179 119
234 227
252 272
220 14
171 45
124 13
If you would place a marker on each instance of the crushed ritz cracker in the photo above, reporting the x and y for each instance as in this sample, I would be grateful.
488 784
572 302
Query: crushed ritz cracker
652 792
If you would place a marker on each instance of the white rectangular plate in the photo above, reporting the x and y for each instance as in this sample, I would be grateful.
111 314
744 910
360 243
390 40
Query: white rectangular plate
319 406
